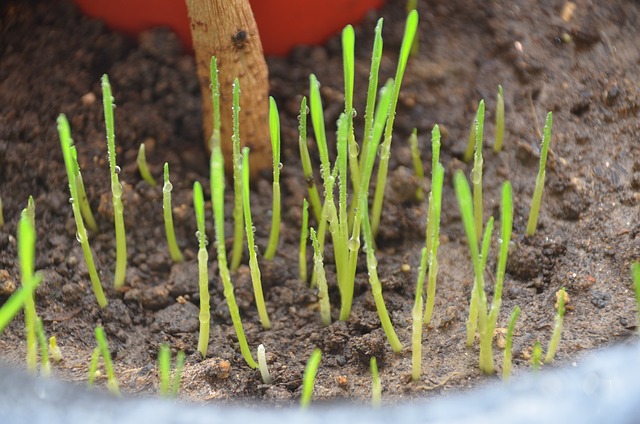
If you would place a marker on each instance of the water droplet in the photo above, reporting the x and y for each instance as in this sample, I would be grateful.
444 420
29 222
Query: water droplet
113 105
167 187
354 113
253 229
71 200
79 237
353 244
198 235
306 110
354 149
117 169
280 165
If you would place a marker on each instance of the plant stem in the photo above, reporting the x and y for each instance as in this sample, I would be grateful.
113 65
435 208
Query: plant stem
203 273
112 383
476 172
26 258
376 387
323 291
536 200
309 379
85 208
143 168
557 328
236 251
304 235
262 364
418 168
314 196
506 363
274 125
435 203
174 249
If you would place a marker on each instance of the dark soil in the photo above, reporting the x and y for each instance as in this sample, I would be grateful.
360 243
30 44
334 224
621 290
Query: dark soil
584 70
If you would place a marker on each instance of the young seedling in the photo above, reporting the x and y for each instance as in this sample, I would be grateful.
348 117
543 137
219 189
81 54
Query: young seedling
15 303
376 387
348 62
536 357
203 272
385 148
26 257
93 367
418 168
45 365
506 362
217 201
274 127
557 328
416 323
635 275
169 387
309 378
85 208
54 350
413 5
476 172
321 280
143 168
174 249
116 187
215 102
304 234
314 196
536 200
256 279
238 232
497 146
112 383
262 365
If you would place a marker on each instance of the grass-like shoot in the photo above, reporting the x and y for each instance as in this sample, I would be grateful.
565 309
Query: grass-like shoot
304 235
309 378
93 367
476 172
536 357
143 168
169 387
506 362
385 148
418 168
478 308
497 146
45 365
15 303
112 383
174 249
416 322
376 387
536 200
274 128
26 257
81 233
217 202
116 187
262 365
321 280
314 196
238 224
54 349
203 272
215 101
557 327
256 279
635 275
85 208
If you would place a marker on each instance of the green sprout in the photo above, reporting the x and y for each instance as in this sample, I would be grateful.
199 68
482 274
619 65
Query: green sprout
93 367
635 275
262 365
309 379
321 280
45 365
169 387
418 168
476 172
478 314
15 303
536 357
348 62
174 249
304 234
215 100
376 387
557 328
413 5
314 196
238 224
116 187
217 202
203 273
253 257
143 168
81 234
56 354
385 147
274 126
497 146
416 324
112 383
536 200
85 208
506 363
26 257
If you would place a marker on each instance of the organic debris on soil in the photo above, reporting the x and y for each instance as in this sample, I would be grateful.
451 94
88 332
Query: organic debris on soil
580 63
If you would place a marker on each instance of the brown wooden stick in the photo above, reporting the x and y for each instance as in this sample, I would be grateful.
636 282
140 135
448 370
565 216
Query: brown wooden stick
226 29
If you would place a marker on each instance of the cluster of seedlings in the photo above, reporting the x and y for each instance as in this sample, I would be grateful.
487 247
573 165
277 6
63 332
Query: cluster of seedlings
345 221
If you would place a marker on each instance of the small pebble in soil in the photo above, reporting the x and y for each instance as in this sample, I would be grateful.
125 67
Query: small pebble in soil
216 369
178 318
600 299
7 285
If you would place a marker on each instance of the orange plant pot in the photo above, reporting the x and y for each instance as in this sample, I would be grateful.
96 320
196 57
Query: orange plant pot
282 23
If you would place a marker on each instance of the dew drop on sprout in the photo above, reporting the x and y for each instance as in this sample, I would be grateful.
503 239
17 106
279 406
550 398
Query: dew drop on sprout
354 113
280 165
71 200
353 243
198 235
253 229
306 110
167 187
117 169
